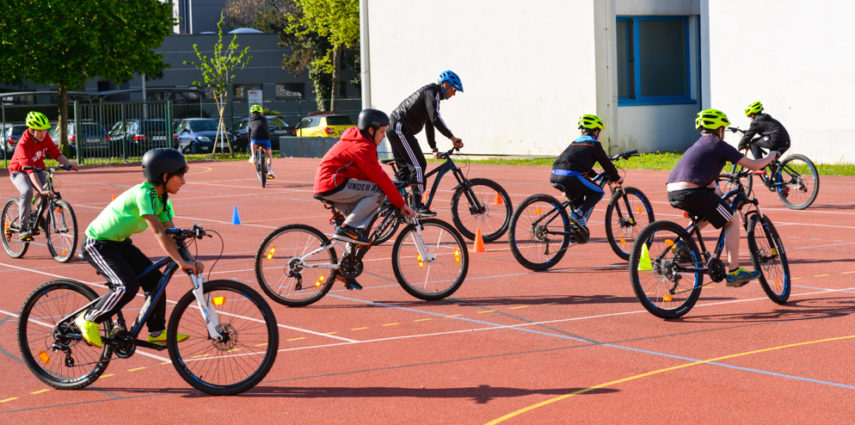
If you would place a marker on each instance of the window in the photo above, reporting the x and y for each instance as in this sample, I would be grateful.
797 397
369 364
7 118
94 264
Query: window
241 89
653 60
290 90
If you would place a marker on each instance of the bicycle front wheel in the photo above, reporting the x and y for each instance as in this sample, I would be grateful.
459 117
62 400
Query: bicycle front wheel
486 206
626 215
799 182
666 270
769 257
444 267
15 247
242 357
61 231
539 235
288 278
50 342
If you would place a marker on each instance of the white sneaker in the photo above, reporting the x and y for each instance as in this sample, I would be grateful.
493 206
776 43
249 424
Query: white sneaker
270 174
252 160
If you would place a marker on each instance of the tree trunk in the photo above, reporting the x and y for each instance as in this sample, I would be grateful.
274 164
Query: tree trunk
334 78
221 125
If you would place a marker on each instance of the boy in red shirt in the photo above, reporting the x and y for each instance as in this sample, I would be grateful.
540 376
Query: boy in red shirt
32 149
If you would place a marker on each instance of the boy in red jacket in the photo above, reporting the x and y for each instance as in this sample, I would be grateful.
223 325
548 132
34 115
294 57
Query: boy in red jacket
350 176
35 145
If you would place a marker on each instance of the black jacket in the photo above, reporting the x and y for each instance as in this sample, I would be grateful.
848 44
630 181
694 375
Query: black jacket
765 125
421 110
582 154
257 129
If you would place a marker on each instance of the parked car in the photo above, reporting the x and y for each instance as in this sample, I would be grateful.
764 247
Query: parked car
93 139
323 124
197 135
277 128
11 134
138 136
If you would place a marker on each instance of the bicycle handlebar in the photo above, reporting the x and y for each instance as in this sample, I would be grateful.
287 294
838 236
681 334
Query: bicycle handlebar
48 169
181 234
624 155
445 155
736 129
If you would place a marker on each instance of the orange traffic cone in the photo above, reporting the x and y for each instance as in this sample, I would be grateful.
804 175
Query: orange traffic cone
114 196
499 200
479 242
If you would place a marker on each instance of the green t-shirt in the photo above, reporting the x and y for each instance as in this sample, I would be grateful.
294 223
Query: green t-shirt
124 215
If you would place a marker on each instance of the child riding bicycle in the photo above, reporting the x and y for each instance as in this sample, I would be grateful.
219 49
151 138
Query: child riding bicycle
350 176
573 168
35 145
107 245
258 133
773 135
692 186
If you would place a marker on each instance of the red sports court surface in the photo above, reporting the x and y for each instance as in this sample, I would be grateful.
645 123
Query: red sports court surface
572 345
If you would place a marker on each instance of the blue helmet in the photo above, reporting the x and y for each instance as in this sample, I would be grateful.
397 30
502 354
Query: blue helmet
451 78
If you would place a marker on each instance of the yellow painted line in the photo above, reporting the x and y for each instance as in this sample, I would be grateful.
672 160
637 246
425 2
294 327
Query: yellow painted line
656 372
391 324
331 333
454 315
107 375
853 271
136 369
486 311
293 339
40 391
200 356
518 307
8 399
796 278
359 329
263 344
166 362
423 320
821 275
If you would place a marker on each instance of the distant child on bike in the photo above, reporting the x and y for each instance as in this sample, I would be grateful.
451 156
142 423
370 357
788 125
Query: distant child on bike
258 133
350 176
34 146
421 110
107 245
692 186
573 168
773 135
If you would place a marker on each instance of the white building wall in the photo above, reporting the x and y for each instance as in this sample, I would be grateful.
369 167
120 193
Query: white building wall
796 58
527 68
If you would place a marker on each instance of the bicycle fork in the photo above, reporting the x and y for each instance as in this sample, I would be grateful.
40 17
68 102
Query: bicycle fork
206 307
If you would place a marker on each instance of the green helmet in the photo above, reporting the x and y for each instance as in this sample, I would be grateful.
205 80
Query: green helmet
255 108
754 108
37 121
711 119
591 122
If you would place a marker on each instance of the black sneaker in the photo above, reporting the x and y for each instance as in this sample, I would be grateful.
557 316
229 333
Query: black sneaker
352 284
351 235
424 211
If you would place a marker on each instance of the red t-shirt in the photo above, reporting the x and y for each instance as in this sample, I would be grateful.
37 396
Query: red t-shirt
30 153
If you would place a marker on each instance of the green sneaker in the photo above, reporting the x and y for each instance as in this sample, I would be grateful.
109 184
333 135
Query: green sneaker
90 331
161 338
741 276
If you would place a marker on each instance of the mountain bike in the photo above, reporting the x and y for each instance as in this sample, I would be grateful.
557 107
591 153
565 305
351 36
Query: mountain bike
233 332
668 262
541 229
297 264
795 179
260 165
476 204
51 215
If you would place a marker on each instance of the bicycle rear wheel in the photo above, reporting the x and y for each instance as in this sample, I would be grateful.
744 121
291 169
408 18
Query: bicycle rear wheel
769 257
245 354
665 269
424 278
15 247
492 216
626 215
51 345
281 273
261 166
538 235
799 182
61 231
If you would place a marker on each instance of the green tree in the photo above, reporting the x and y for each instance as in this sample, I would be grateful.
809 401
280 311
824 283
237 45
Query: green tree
65 43
218 72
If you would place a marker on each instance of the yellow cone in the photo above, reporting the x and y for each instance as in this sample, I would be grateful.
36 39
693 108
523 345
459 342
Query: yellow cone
644 263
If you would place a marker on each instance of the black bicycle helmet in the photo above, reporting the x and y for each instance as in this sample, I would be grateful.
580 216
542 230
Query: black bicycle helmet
371 118
162 160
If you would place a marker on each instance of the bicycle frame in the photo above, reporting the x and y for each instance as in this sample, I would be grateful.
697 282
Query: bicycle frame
43 201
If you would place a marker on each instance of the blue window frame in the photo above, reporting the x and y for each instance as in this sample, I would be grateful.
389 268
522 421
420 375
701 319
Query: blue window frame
653 60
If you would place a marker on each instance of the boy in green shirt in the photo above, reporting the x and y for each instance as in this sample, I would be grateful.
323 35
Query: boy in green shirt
108 247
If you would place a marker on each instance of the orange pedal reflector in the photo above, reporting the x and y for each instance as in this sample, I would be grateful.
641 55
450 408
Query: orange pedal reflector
44 357
499 200
320 280
667 298
218 301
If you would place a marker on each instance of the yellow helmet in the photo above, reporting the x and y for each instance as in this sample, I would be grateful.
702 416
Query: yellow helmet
711 119
591 122
754 108
37 121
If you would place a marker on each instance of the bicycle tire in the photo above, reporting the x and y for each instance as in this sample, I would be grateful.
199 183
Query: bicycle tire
769 257
261 166
802 188
61 226
672 300
38 331
272 265
529 237
425 279
228 366
494 219
627 213
13 246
